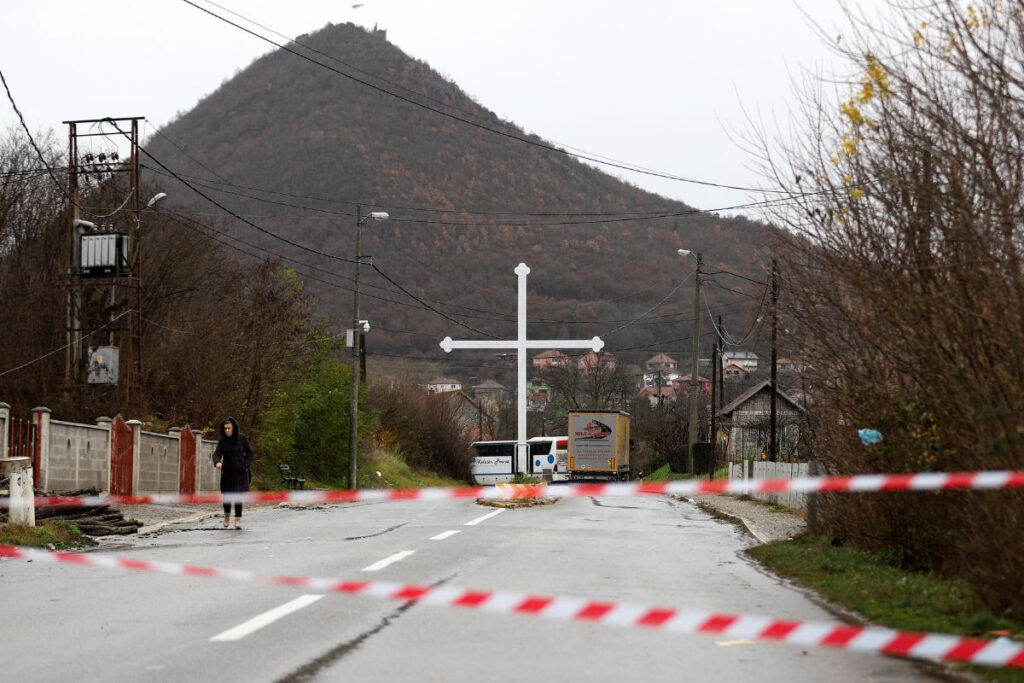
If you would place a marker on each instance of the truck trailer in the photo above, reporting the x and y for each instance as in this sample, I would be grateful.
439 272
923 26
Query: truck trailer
599 445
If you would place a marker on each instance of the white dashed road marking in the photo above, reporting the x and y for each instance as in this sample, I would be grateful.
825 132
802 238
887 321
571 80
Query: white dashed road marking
397 557
265 619
443 535
476 521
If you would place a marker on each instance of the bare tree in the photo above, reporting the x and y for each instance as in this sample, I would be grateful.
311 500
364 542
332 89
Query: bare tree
902 261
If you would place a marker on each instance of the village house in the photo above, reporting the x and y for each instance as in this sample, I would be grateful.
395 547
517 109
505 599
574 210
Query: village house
538 394
745 422
658 395
733 371
661 363
490 391
592 361
745 359
681 385
550 359
442 385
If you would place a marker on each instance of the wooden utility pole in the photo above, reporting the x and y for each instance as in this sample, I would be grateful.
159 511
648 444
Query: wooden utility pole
773 453
694 371
714 394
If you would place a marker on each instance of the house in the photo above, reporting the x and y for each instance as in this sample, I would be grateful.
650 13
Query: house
746 423
745 359
592 361
657 395
681 385
550 359
733 371
442 385
490 391
538 394
661 363
472 417
786 365
653 379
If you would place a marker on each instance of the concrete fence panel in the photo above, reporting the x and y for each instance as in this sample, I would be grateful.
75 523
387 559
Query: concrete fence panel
78 457
157 463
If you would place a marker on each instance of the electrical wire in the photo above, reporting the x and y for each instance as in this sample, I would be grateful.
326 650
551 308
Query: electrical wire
511 136
59 349
28 133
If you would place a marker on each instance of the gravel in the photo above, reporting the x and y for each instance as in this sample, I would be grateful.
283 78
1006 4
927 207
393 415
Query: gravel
764 522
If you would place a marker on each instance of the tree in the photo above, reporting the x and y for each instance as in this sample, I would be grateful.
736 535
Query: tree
592 382
903 269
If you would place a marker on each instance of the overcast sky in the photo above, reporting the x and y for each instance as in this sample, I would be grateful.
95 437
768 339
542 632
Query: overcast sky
660 84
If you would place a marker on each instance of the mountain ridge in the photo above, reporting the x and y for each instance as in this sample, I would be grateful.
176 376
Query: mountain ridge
473 202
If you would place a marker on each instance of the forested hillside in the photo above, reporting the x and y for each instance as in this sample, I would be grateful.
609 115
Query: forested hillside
294 146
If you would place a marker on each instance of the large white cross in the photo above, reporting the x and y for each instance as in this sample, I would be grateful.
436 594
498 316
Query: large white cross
521 344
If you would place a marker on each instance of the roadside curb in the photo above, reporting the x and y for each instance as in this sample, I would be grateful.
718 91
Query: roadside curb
747 525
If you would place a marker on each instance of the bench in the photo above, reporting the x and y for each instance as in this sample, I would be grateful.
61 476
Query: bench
290 481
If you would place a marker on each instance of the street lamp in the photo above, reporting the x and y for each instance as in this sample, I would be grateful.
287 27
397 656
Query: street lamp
353 413
694 384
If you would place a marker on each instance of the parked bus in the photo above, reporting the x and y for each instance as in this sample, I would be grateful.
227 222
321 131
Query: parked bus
549 457
495 461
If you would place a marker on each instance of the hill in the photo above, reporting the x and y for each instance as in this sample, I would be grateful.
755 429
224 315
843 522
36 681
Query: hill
295 146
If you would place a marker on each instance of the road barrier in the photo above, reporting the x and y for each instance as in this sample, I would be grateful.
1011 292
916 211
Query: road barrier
1001 652
857 483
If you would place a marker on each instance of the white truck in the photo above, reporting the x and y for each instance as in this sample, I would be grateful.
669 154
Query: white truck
599 445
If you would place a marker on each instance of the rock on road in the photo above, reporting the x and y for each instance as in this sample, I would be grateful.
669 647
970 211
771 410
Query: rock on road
82 624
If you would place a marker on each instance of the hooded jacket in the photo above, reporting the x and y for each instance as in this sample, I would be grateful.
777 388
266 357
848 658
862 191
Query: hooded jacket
235 455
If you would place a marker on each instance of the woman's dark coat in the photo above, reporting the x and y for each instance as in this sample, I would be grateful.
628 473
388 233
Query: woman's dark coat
236 455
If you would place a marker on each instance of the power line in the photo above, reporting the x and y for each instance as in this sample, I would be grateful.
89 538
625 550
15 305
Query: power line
511 136
28 133
600 219
58 350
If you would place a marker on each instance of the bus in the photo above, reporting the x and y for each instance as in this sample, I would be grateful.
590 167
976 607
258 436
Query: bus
495 461
549 457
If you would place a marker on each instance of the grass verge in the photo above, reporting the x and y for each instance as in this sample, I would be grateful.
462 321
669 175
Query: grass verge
59 534
389 470
872 585
664 473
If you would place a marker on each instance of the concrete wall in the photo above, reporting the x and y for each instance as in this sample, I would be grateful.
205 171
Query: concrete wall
157 464
79 457
207 476
773 470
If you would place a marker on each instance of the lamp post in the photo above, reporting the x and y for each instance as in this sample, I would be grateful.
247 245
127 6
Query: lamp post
694 363
353 413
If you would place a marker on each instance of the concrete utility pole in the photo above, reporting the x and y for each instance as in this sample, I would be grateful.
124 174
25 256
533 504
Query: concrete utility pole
353 407
694 368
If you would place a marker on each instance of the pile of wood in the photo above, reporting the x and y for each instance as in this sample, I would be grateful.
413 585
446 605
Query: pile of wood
98 520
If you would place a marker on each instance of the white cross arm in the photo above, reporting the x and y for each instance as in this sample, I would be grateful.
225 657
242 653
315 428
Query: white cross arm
596 344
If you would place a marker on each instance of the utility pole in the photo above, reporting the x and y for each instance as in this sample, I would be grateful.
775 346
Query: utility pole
694 363
353 405
121 282
773 408
714 395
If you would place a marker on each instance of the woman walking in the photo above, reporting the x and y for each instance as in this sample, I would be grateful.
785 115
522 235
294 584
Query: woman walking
232 457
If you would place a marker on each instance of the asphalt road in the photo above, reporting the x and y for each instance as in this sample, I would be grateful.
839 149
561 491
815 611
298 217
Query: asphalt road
82 624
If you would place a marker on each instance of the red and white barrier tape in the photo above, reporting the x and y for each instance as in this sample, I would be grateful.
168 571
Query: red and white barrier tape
1002 652
858 483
